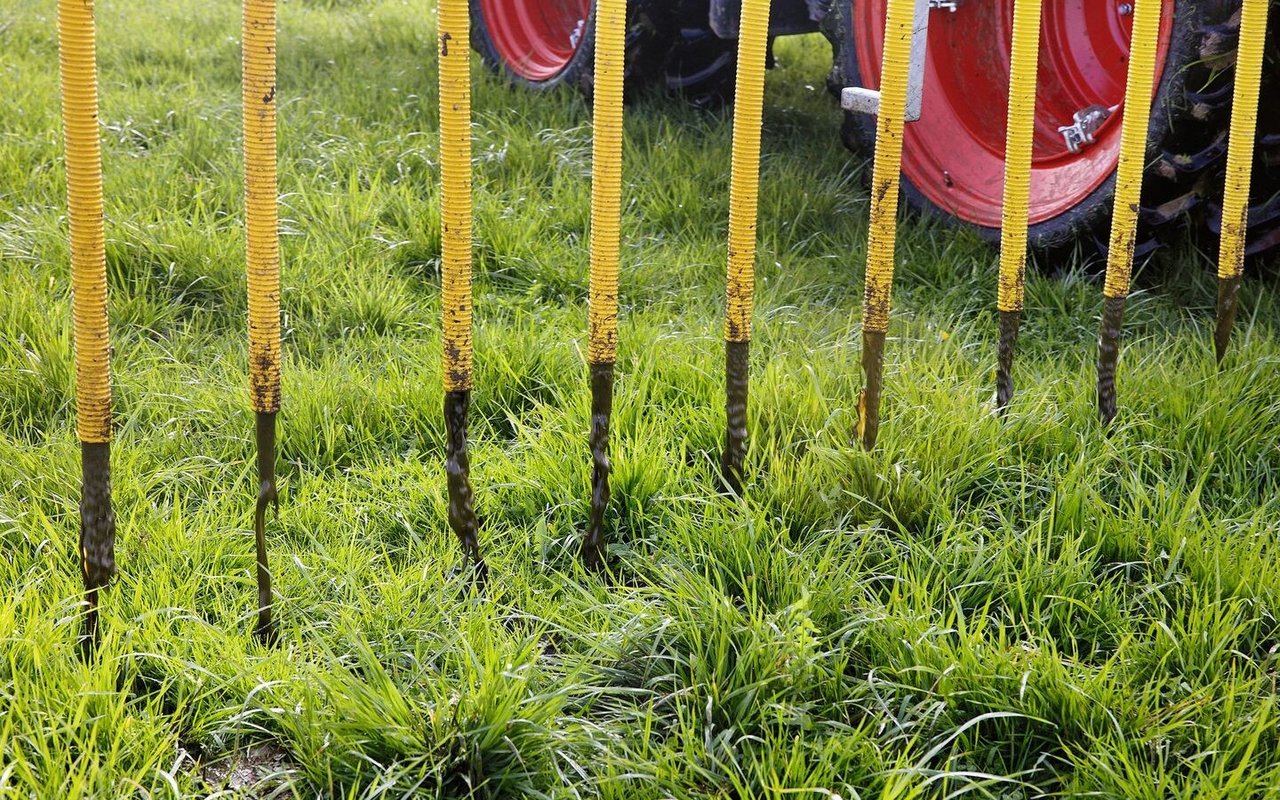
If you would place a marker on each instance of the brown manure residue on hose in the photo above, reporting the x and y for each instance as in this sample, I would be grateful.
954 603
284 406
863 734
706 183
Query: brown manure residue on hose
873 374
267 495
97 533
461 509
1109 355
1007 347
601 411
1228 300
736 374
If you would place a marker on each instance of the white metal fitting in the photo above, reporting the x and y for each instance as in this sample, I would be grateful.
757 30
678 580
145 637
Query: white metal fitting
1085 125
867 101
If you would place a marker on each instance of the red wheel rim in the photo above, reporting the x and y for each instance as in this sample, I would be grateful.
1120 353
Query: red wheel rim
955 153
536 39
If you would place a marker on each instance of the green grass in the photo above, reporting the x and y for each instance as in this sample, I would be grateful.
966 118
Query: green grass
1009 609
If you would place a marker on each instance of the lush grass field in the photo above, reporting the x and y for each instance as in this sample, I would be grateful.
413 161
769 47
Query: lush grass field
1011 609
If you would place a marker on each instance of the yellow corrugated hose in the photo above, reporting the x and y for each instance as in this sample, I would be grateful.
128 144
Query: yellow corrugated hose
262 239
1017 160
1235 201
744 190
1019 137
84 201
1133 147
1124 215
79 81
745 176
1244 124
455 269
606 213
455 193
262 263
882 236
606 177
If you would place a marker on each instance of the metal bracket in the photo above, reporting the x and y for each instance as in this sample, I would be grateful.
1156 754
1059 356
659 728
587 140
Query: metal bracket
867 101
1086 122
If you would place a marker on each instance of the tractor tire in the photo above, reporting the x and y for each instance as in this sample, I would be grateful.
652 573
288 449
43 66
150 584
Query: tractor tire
543 44
1187 138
